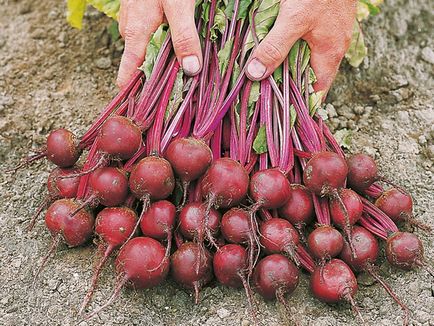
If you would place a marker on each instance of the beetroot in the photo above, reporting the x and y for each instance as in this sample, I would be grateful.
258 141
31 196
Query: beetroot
62 148
119 137
274 277
269 189
367 250
195 224
140 264
398 205
279 236
113 226
404 250
325 172
333 282
298 210
362 172
225 183
230 265
109 186
189 157
57 188
235 226
73 230
190 268
325 242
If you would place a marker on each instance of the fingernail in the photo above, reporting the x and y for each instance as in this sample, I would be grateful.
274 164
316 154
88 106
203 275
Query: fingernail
256 69
191 64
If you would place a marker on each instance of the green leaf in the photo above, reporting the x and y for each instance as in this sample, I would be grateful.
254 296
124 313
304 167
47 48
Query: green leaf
219 24
243 9
265 17
113 30
357 50
293 115
278 74
312 76
176 95
235 74
260 142
75 12
253 98
109 7
344 138
293 58
152 49
315 100
306 57
224 55
373 9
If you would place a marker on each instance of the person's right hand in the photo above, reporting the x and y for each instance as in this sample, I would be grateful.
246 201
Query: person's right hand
138 19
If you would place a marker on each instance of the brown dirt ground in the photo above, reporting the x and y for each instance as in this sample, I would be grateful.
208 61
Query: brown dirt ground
49 78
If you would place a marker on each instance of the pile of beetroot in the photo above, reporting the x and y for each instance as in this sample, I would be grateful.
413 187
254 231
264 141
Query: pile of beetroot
218 177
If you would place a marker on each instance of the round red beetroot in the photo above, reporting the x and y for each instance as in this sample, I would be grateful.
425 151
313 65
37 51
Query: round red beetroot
62 148
141 261
362 171
325 242
152 177
189 157
333 282
119 137
59 187
299 208
396 204
192 221
115 224
190 268
75 230
278 235
325 172
225 183
158 220
345 208
269 188
366 249
109 185
235 226
274 276
404 250
230 265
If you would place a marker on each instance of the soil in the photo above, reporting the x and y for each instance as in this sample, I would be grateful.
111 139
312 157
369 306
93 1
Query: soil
54 76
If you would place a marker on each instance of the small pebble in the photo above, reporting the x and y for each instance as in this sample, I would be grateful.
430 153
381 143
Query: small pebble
427 55
245 322
422 140
223 313
358 109
103 63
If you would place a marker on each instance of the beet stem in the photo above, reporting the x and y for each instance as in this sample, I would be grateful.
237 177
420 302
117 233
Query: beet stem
355 308
28 160
249 296
41 207
146 203
52 249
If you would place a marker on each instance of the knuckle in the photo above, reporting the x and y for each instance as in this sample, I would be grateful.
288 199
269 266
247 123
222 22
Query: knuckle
271 52
183 41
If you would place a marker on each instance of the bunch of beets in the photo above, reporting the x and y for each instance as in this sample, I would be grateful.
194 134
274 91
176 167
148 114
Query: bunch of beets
216 176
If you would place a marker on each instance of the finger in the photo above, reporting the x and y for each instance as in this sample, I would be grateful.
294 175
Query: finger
186 43
291 24
327 53
140 22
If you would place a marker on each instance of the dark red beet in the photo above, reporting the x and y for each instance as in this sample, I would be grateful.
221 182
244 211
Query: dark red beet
275 276
191 269
404 250
189 157
152 178
362 172
62 148
279 236
57 188
225 183
230 265
109 186
325 172
159 219
366 248
73 230
140 264
235 226
333 282
299 208
348 215
325 242
113 226
398 205
269 188
119 137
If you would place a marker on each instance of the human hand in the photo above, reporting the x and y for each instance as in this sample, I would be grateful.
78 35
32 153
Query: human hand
138 19
326 25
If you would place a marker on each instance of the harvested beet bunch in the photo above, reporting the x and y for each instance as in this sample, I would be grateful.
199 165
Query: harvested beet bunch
218 177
